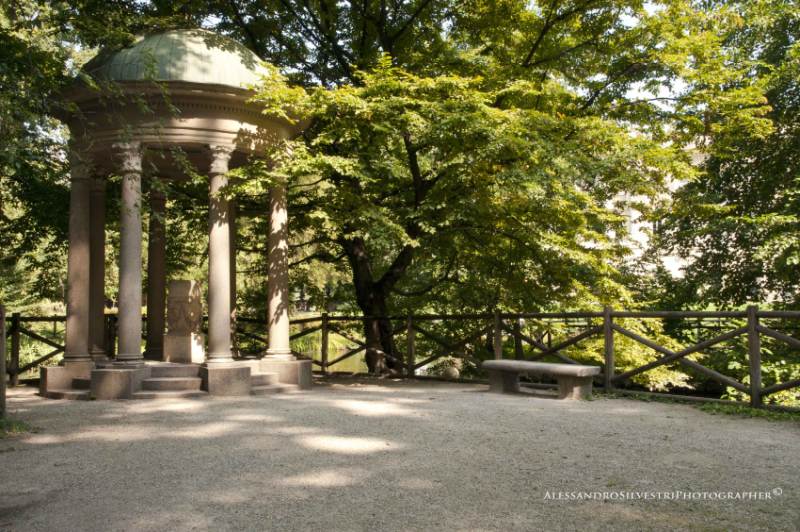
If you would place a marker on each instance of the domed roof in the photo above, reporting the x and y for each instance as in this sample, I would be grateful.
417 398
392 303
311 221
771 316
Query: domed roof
192 56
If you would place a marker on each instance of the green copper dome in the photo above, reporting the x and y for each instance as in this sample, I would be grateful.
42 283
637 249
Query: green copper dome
192 56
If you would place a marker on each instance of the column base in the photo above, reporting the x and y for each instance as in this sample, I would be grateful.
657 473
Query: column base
99 356
117 382
227 379
291 371
62 377
128 364
279 354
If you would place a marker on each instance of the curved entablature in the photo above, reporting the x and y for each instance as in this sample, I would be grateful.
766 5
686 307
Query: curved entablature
178 88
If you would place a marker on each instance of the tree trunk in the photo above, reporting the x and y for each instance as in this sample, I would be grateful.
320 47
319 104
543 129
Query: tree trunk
371 297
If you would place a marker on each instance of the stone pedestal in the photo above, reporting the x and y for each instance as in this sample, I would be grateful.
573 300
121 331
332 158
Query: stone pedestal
575 387
117 383
184 349
224 379
503 382
60 377
183 342
289 371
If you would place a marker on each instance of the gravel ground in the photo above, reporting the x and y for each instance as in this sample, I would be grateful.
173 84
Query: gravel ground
383 456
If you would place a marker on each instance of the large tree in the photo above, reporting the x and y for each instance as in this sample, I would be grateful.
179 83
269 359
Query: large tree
490 169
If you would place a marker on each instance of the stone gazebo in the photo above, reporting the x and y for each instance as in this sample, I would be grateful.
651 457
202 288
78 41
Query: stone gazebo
181 91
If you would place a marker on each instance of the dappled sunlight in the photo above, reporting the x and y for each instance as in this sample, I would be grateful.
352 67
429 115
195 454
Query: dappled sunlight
347 445
206 430
148 407
261 418
326 478
372 408
404 401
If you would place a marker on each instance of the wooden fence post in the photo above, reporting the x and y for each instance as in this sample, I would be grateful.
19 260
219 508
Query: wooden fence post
608 350
754 355
498 335
410 355
324 347
15 346
519 353
2 361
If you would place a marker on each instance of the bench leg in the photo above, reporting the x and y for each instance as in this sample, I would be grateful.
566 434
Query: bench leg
574 387
503 381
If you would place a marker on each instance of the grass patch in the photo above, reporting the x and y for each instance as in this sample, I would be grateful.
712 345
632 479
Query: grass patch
748 411
12 427
713 408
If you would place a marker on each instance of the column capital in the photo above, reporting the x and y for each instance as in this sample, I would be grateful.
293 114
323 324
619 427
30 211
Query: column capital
129 155
127 146
220 156
79 166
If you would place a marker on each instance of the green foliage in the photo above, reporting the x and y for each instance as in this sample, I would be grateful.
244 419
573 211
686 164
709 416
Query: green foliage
746 411
737 224
483 192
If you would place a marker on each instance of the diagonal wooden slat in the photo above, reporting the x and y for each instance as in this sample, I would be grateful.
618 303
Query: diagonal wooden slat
29 333
253 336
792 341
446 344
780 387
554 350
451 349
522 336
304 332
38 361
346 336
347 355
429 360
717 376
669 355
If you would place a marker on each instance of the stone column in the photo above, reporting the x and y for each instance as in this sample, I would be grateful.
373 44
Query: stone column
76 350
232 213
130 256
278 280
219 257
156 275
97 271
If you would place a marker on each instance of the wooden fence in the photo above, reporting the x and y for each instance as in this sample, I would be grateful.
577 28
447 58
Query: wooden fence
426 339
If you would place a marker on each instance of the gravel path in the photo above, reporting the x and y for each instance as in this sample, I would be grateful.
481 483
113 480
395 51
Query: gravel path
384 456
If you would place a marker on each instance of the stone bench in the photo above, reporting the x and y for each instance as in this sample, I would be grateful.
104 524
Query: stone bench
574 381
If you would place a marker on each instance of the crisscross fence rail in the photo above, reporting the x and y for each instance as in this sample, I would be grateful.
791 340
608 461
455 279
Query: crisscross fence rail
733 342
475 337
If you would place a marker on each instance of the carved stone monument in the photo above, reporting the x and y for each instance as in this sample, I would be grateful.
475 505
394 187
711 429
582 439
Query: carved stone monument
184 342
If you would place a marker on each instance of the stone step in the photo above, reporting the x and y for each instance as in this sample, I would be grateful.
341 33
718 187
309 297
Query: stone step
81 384
75 395
175 394
271 389
172 384
174 370
263 379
